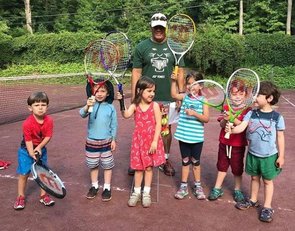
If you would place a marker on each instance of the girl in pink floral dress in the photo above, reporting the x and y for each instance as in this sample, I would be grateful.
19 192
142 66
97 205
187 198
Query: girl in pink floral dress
147 150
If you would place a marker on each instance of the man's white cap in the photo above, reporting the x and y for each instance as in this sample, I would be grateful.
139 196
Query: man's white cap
158 19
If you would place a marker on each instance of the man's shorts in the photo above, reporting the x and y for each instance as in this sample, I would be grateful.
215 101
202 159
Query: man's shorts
98 153
265 167
236 161
25 161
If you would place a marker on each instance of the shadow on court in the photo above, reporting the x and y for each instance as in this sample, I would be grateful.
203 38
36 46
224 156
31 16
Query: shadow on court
75 212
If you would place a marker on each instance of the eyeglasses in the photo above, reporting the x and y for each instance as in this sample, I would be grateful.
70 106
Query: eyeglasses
162 18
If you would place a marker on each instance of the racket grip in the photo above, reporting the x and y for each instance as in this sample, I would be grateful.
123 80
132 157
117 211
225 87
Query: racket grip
175 72
90 108
226 136
121 101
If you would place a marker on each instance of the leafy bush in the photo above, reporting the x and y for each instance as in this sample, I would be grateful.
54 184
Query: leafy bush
272 49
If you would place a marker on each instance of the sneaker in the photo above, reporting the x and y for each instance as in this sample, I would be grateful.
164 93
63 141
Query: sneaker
266 214
92 193
167 168
134 198
246 204
131 171
199 193
215 194
106 195
181 193
238 196
46 200
146 200
19 203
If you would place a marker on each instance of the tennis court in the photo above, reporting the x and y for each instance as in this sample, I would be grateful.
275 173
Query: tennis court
75 212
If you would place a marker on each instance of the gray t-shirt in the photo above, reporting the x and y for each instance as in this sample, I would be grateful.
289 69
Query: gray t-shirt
262 132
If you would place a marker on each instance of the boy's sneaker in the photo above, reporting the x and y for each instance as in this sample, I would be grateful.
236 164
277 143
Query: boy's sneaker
215 194
238 196
266 214
19 203
134 198
46 200
181 193
146 200
106 195
199 192
246 204
92 193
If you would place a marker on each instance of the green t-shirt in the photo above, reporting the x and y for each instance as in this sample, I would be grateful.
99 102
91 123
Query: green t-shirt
157 62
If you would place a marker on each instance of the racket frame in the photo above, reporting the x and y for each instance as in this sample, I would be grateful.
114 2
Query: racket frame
232 116
169 43
54 176
99 63
123 63
217 107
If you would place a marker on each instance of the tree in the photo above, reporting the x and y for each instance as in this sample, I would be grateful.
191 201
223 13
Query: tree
289 14
241 18
28 16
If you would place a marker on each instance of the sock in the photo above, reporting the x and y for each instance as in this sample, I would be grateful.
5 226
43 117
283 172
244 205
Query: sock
183 185
167 156
137 190
198 184
95 184
107 186
146 190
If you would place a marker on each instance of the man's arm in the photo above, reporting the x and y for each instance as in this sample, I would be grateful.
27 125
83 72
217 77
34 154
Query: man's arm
136 74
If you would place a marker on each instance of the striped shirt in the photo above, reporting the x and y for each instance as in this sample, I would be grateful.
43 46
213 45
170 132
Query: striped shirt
189 128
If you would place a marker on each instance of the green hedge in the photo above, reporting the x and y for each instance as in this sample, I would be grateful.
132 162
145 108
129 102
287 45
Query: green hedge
214 51
42 48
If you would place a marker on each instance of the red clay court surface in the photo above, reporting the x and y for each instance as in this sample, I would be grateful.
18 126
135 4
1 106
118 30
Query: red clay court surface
75 212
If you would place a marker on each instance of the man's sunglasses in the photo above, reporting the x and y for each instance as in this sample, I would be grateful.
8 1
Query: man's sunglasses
162 18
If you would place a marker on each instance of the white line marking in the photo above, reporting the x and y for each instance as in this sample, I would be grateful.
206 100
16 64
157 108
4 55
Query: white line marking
288 101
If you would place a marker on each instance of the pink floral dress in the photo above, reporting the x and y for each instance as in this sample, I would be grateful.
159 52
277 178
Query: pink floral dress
143 135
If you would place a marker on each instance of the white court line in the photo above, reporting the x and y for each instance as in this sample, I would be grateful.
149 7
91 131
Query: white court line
288 101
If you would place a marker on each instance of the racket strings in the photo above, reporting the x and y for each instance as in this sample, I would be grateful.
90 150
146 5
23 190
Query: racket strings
181 33
242 89
208 91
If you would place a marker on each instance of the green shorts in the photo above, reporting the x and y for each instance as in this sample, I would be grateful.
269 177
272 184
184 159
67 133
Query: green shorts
265 167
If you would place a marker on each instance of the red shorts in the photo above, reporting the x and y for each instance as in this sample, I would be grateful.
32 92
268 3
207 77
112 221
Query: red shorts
236 161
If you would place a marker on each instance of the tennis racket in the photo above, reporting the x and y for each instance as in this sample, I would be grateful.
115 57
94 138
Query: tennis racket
47 179
208 92
101 59
181 33
241 91
123 45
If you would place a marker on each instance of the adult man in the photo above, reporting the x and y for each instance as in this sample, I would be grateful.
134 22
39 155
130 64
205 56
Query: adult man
153 58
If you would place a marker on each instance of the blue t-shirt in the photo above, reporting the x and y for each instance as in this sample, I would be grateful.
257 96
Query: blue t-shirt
262 132
189 128
102 123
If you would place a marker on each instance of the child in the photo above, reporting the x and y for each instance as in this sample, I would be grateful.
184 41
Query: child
231 151
147 150
265 157
101 138
37 132
190 133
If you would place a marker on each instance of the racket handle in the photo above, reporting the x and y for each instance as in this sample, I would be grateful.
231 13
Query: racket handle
226 136
90 108
121 101
175 72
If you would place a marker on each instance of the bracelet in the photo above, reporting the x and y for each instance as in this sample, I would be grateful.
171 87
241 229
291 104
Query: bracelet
181 92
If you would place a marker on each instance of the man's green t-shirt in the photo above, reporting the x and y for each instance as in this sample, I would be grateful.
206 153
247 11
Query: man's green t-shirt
157 62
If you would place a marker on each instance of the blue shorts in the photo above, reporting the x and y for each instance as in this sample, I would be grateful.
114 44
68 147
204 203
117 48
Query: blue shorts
25 161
